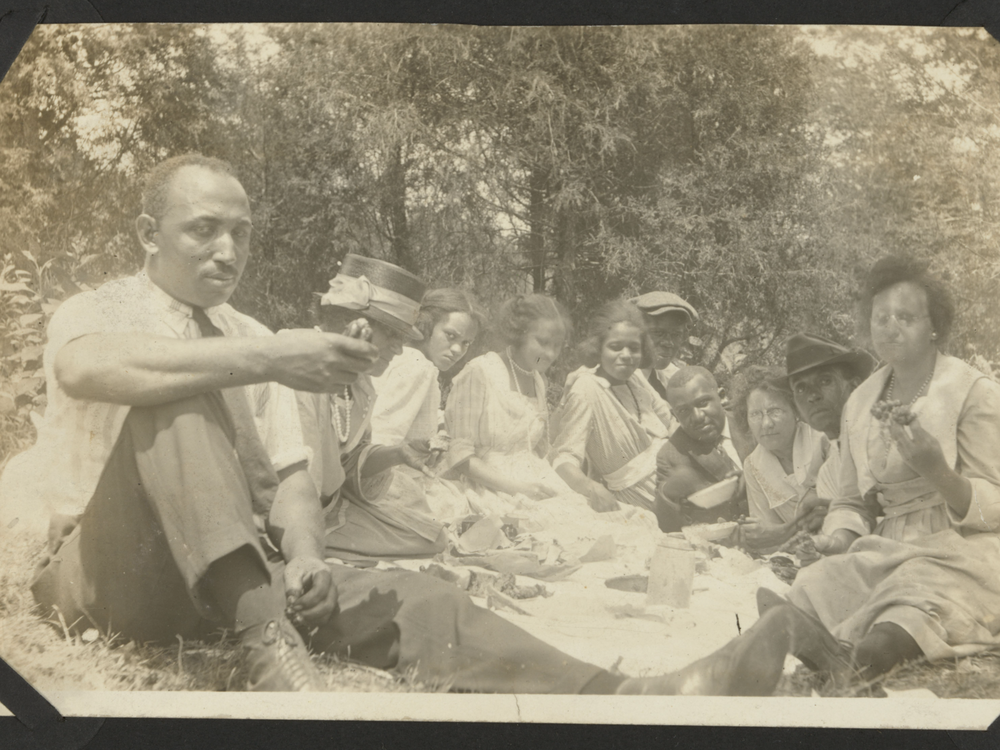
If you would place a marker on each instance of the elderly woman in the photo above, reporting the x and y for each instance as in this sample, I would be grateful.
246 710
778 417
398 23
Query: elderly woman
378 301
781 471
610 419
919 446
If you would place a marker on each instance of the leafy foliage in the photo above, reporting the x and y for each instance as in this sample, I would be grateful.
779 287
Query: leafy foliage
758 172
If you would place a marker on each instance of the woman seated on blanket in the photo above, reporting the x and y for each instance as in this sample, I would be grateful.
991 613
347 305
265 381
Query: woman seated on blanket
497 415
497 419
378 301
919 447
409 396
781 471
610 418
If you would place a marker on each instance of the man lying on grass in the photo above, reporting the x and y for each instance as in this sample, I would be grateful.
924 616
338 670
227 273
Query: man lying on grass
172 422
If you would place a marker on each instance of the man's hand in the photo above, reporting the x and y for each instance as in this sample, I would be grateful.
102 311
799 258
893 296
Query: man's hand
310 593
308 360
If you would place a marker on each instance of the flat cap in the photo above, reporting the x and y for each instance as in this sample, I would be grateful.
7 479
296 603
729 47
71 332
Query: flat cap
658 303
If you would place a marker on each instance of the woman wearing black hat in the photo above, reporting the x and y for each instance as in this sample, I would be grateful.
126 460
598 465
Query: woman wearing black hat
378 301
919 447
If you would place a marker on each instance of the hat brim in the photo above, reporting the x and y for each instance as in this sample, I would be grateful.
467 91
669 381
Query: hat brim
858 360
411 332
689 313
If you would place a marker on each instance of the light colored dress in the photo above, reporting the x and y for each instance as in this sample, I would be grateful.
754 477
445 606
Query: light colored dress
359 528
508 431
409 408
597 426
922 566
773 495
409 399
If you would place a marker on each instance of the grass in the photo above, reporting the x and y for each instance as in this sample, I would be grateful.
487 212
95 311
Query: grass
51 658
975 676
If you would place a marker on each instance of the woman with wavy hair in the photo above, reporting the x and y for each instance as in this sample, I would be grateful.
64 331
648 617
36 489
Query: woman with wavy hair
498 421
408 408
611 423
781 471
914 565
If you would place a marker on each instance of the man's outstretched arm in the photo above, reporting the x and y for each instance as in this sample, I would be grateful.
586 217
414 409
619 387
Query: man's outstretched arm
138 369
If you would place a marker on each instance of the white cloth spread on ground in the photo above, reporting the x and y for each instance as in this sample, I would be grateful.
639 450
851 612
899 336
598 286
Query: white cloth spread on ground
584 617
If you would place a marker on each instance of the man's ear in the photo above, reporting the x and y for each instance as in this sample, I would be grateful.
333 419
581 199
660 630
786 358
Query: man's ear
146 227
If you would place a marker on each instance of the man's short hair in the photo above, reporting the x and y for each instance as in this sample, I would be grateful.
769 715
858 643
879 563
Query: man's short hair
157 181
688 373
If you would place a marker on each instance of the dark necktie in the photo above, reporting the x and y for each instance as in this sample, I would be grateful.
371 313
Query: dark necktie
257 467
654 380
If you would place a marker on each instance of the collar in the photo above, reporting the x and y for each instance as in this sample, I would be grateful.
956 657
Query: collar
174 313
688 444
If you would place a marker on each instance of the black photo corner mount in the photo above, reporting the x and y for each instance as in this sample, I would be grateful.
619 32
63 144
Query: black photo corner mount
37 724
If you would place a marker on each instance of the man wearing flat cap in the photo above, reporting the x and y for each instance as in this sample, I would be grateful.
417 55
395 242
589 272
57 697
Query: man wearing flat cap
668 319
822 375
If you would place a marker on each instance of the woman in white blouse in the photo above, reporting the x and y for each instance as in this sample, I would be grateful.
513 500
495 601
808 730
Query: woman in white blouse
408 408
781 471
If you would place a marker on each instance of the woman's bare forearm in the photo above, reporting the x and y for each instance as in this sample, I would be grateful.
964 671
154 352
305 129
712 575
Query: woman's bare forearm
479 471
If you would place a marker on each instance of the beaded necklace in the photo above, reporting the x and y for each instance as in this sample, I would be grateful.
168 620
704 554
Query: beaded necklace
343 426
892 384
515 368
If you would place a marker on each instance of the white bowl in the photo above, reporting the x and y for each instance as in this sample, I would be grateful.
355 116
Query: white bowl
717 494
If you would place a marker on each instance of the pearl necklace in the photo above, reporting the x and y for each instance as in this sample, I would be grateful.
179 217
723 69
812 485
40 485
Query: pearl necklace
892 384
515 368
343 427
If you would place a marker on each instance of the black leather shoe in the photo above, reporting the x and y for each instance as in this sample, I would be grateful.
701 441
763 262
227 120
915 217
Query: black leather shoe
750 664
278 660
812 643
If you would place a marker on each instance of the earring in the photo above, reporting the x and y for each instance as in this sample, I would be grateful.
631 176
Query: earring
933 336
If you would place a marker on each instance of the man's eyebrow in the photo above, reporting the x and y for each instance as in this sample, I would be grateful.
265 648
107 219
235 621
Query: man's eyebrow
216 219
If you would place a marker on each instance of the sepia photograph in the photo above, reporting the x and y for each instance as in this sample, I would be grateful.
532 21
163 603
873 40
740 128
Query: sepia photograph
621 374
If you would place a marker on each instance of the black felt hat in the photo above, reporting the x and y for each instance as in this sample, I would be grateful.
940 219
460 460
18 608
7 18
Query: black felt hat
807 351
